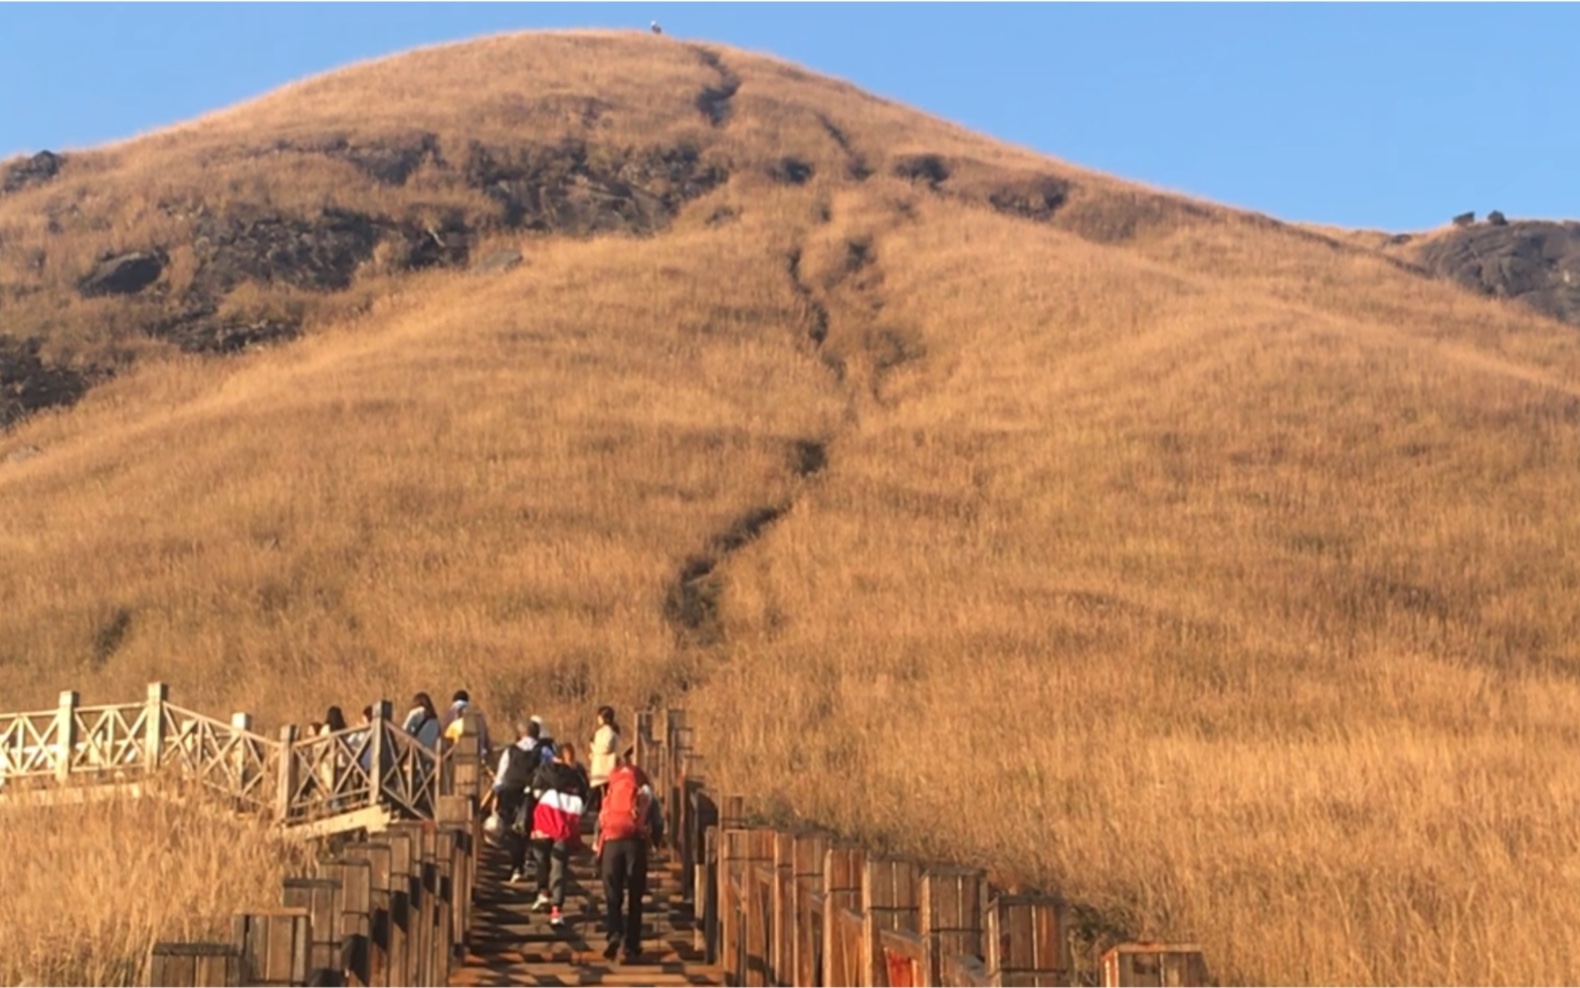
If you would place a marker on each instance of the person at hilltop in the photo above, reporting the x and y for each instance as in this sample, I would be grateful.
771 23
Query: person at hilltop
422 721
450 724
513 777
601 755
560 791
628 823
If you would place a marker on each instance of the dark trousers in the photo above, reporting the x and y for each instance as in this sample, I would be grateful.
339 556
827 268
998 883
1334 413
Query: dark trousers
624 885
554 868
515 843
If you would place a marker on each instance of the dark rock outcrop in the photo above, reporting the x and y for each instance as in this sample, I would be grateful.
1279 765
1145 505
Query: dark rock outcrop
574 189
929 168
1534 262
123 274
28 383
199 329
37 170
790 171
320 254
1033 199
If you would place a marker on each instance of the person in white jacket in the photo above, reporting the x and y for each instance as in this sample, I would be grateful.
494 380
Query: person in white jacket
601 756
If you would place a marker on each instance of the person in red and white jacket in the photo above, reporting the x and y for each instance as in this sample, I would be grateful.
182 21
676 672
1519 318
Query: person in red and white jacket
561 790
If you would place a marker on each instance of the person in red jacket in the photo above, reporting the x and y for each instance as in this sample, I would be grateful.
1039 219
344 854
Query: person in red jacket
628 822
561 790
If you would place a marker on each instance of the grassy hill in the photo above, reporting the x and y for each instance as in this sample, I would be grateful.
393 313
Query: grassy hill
1216 572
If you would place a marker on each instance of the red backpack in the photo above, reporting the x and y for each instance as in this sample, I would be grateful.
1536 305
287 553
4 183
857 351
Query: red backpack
625 805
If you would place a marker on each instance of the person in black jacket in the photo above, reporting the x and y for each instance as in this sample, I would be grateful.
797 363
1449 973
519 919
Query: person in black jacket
513 790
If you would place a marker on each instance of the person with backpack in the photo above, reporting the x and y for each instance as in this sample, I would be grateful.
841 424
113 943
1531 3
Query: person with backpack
450 724
560 788
518 765
628 823
422 721
601 755
550 746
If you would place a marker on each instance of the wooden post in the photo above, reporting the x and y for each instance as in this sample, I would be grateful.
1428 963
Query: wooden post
1154 965
456 814
708 922
288 773
757 880
274 946
806 880
429 890
190 965
65 734
238 768
400 906
447 854
643 741
466 760
378 750
781 962
1026 942
154 725
355 923
888 902
733 816
841 890
379 857
950 918
321 899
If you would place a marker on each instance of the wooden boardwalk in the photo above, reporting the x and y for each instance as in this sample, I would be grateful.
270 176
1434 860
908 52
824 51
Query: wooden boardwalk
511 945
405 890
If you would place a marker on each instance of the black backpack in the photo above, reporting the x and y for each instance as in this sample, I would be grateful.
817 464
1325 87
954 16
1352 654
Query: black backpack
519 769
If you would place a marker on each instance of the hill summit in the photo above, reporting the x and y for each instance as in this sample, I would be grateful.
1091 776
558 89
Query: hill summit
1211 570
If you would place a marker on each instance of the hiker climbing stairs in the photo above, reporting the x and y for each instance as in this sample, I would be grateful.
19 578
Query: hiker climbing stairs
511 944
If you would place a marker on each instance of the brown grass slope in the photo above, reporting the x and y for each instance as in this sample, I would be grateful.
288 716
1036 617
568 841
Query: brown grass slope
1216 573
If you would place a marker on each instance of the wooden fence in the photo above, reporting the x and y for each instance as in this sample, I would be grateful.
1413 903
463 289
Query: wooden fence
354 779
801 908
392 909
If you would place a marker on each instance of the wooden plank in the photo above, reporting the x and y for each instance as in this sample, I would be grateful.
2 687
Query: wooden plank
758 878
1025 941
732 851
194 965
1154 965
781 967
842 867
355 922
706 936
949 917
274 946
888 902
320 897
446 936
380 858
901 958
806 881
400 952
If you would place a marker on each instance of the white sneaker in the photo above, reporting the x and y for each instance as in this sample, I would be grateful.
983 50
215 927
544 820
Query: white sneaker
516 877
542 903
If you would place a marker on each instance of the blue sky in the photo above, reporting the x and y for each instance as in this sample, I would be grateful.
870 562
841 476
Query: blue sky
1381 116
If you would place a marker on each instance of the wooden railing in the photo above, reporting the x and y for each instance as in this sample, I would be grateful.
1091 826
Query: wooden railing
393 909
782 908
347 780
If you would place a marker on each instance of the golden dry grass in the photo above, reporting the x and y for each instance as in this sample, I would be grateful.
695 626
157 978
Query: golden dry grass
1211 574
90 888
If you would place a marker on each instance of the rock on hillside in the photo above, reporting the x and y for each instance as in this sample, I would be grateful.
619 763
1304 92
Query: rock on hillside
1533 262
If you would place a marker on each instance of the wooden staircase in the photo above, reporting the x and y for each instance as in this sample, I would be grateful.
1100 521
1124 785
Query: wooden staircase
511 945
